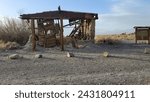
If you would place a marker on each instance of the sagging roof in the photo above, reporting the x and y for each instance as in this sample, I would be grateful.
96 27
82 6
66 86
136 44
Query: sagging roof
60 14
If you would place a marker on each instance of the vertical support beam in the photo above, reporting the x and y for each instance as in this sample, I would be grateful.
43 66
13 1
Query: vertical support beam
33 35
61 34
148 35
82 29
89 28
136 30
92 29
61 30
85 29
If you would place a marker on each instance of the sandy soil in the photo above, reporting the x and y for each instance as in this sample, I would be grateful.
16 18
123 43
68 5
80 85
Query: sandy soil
127 65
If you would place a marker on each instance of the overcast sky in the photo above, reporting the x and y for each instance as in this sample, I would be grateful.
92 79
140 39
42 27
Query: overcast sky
115 16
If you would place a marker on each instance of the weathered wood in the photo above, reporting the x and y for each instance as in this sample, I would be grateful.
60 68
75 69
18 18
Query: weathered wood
61 34
136 35
47 25
72 23
64 14
149 36
33 35
88 30
76 28
92 29
47 41
142 33
82 28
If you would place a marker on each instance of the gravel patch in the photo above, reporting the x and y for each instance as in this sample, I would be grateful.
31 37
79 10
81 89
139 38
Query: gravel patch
126 65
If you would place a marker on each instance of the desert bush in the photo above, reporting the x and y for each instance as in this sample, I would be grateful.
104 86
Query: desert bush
13 30
9 45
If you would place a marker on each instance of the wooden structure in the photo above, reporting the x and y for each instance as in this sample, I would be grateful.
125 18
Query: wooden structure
142 33
49 25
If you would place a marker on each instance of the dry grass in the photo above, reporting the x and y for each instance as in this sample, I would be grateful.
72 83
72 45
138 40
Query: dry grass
110 39
8 45
13 30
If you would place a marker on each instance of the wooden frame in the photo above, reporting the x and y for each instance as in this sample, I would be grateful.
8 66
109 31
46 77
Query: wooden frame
84 24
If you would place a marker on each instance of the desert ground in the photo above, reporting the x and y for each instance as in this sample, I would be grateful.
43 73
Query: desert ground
126 65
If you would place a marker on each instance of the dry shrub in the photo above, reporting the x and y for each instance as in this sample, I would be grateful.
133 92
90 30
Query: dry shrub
13 30
9 45
111 39
2 44
105 39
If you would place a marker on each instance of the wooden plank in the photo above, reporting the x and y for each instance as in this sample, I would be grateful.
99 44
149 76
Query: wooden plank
33 35
74 30
72 23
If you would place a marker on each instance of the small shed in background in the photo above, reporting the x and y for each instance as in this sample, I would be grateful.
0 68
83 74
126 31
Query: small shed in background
48 25
142 33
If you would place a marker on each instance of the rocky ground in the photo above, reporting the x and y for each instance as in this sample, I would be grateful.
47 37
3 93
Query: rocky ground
126 65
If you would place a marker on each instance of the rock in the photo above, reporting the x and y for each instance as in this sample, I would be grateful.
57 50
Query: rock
14 56
106 54
146 51
38 56
70 54
81 46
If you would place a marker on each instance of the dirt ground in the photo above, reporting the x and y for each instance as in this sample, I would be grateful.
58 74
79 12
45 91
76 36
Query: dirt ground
127 65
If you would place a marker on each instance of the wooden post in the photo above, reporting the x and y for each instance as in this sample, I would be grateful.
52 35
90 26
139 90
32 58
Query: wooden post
148 35
61 30
93 29
85 29
61 34
90 29
136 29
33 35
82 27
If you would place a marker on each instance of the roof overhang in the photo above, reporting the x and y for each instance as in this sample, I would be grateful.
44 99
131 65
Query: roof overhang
60 14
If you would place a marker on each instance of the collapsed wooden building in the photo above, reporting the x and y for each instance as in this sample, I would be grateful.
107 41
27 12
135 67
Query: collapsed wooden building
50 25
